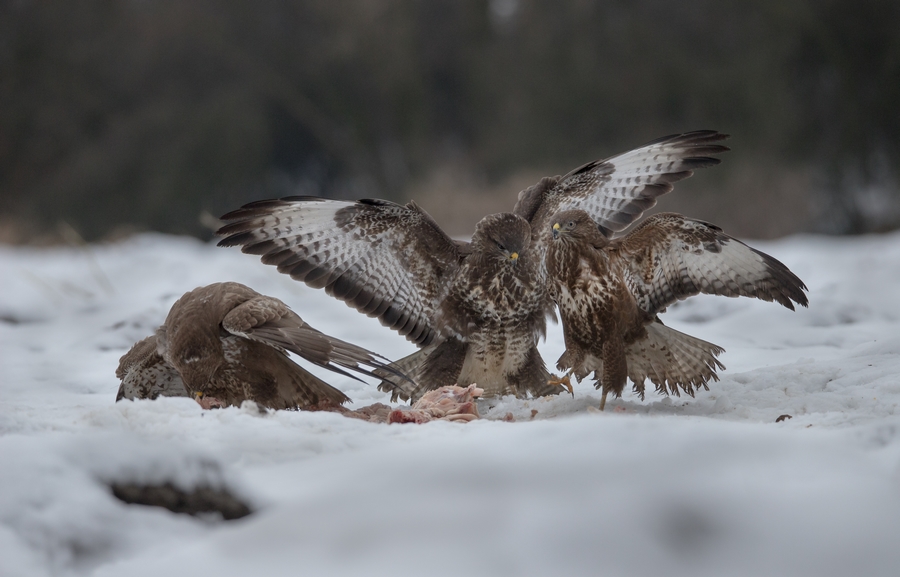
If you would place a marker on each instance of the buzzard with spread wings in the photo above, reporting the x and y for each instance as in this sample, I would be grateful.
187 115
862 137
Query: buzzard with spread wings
477 309
609 294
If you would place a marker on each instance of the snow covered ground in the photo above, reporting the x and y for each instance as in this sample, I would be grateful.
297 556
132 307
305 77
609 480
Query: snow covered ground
668 486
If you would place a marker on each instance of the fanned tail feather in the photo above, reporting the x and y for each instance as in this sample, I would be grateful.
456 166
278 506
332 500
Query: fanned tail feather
673 361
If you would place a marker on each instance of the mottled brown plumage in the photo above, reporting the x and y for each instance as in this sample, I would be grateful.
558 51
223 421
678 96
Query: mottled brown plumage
491 317
616 191
146 375
226 343
609 294
476 316
388 261
477 304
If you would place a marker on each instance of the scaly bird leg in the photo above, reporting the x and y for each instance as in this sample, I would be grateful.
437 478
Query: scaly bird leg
565 381
615 368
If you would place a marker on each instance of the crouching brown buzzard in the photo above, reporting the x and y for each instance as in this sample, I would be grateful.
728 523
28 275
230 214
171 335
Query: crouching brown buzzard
225 343
609 293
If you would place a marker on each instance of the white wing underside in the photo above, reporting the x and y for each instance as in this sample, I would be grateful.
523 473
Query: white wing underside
695 257
385 260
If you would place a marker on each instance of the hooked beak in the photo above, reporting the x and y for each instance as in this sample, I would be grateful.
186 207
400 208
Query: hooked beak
556 230
514 256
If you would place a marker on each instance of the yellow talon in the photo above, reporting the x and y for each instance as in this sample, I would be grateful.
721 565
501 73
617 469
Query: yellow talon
565 381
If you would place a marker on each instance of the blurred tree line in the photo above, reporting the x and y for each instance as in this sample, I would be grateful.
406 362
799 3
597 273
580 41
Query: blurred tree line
146 113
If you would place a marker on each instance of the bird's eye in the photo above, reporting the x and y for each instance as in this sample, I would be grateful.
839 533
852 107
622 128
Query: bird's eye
571 224
500 246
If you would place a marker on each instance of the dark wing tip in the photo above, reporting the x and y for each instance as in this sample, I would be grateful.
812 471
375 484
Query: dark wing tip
700 161
235 239
703 136
710 149
693 137
254 208
790 287
301 198
262 207
376 202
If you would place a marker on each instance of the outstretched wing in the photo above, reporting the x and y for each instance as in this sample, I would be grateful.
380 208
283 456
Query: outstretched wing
616 191
270 321
388 261
671 257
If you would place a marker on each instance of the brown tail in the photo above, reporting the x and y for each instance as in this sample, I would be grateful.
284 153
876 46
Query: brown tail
672 360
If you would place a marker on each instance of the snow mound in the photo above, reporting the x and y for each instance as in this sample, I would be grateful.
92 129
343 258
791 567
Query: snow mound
709 485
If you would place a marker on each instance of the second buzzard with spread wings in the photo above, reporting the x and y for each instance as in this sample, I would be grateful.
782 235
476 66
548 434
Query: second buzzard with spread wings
476 308
609 294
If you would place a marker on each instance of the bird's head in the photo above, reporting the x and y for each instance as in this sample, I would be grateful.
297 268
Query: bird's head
576 225
504 236
198 363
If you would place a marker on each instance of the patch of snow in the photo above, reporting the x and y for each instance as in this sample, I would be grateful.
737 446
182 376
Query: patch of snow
709 485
